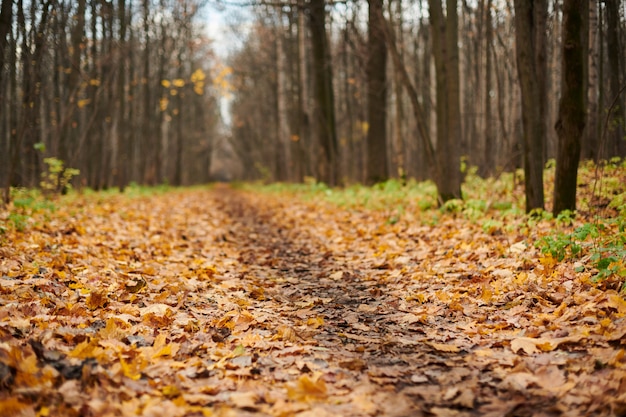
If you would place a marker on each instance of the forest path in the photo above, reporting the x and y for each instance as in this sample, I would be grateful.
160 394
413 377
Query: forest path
227 302
408 312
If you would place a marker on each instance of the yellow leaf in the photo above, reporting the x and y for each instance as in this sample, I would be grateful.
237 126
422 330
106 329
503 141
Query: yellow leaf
166 83
162 348
199 88
170 391
198 75
285 333
206 272
94 82
617 302
315 322
83 350
179 82
128 372
307 389
487 293
82 103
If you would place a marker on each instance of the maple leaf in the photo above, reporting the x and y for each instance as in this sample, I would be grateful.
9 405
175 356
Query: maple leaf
307 388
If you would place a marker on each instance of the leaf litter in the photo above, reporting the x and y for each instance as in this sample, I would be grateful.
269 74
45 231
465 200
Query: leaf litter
222 302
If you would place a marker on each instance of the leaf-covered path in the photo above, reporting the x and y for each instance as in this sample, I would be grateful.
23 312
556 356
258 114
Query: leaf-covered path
226 302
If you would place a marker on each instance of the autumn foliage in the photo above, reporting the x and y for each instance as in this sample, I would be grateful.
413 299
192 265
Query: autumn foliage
307 301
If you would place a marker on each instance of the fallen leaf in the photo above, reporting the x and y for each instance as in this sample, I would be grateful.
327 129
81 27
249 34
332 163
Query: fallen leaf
443 347
307 388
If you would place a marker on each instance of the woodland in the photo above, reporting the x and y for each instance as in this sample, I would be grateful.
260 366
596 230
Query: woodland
358 208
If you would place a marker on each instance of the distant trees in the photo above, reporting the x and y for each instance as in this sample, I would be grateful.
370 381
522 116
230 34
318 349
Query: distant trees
119 90
507 81
341 92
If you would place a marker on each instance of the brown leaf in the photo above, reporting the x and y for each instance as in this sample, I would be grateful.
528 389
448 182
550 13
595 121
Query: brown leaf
96 300
443 347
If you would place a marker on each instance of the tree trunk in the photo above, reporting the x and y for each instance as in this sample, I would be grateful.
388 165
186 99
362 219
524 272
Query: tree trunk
376 95
591 141
324 92
123 136
615 134
530 40
284 142
6 20
399 138
304 125
490 145
571 121
448 108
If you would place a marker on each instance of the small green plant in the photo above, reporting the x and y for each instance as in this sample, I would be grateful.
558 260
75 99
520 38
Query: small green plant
452 206
57 178
606 249
560 246
492 226
24 204
18 221
566 217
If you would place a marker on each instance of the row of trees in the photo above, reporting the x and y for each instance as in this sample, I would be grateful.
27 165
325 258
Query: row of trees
361 92
340 91
114 88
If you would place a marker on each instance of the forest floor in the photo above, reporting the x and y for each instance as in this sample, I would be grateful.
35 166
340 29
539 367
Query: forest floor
236 302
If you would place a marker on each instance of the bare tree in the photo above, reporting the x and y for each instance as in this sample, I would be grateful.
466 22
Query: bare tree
324 96
446 54
6 20
530 36
571 121
376 95
616 144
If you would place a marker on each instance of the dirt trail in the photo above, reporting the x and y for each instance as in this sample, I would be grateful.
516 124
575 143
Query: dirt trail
390 329
235 303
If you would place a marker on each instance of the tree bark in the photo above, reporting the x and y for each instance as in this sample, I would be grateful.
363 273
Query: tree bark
399 138
6 20
322 67
448 108
490 144
590 143
615 134
376 95
284 158
304 124
126 166
571 121
530 41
